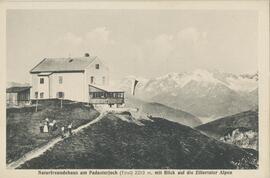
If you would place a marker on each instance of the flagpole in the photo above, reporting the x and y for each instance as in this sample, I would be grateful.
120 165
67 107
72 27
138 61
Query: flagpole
61 101
134 86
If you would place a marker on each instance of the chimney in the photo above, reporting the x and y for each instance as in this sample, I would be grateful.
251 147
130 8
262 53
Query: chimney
86 55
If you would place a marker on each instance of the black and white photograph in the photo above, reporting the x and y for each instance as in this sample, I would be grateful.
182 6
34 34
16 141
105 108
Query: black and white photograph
165 89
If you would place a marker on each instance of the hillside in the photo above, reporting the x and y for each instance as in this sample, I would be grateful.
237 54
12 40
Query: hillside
240 129
203 93
23 134
118 141
160 110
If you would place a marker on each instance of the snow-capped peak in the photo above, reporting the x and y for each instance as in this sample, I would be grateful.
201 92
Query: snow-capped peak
173 81
201 75
244 84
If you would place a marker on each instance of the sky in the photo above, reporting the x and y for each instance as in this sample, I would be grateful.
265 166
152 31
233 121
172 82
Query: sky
143 43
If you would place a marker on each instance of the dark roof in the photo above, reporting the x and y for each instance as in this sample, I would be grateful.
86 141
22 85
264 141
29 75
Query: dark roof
17 89
63 64
106 88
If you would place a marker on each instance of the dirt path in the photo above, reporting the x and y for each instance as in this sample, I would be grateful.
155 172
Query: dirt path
40 150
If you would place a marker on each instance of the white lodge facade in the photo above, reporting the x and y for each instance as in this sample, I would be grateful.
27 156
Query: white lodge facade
68 78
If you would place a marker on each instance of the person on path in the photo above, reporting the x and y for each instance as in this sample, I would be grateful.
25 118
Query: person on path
51 124
41 127
45 128
54 127
70 129
47 120
63 132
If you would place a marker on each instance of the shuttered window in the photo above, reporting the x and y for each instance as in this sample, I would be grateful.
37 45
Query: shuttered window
60 94
36 94
41 80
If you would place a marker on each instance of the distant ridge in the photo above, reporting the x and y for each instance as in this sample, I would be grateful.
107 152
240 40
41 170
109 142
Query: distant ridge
240 129
160 110
203 93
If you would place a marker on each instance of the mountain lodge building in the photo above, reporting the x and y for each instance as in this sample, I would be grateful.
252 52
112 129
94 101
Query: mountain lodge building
83 79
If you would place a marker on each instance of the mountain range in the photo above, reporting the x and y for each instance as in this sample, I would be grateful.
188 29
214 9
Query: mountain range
203 93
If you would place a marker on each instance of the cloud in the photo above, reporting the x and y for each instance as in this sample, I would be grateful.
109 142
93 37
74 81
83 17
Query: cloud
186 44
70 38
158 53
159 47
167 44
95 41
101 35
192 35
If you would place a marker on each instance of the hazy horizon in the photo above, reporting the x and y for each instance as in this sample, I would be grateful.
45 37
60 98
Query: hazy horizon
144 43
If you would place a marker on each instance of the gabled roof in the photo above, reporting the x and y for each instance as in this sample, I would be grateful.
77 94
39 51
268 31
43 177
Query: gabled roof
63 64
17 89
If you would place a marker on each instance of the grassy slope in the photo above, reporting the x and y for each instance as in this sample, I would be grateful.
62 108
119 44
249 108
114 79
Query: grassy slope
114 143
23 133
218 128
160 110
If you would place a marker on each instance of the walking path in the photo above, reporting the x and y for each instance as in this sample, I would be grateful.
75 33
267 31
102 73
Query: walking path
40 150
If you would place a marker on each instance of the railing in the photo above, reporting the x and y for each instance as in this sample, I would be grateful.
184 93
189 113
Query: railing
106 100
11 103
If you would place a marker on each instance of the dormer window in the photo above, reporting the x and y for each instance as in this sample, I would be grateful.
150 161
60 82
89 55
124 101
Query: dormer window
97 66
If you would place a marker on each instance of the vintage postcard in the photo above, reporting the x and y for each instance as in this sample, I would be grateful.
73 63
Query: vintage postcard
137 88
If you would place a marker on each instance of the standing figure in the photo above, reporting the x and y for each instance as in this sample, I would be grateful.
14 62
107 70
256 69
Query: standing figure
45 128
63 132
47 120
70 129
40 127
51 126
54 127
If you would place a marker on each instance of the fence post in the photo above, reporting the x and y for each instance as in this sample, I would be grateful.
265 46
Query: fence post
36 105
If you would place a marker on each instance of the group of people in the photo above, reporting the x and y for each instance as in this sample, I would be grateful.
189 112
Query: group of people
47 126
64 130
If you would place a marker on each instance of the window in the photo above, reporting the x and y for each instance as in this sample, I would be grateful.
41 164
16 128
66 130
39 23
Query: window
41 80
36 94
60 94
99 95
60 79
121 95
41 95
97 66
103 80
92 79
